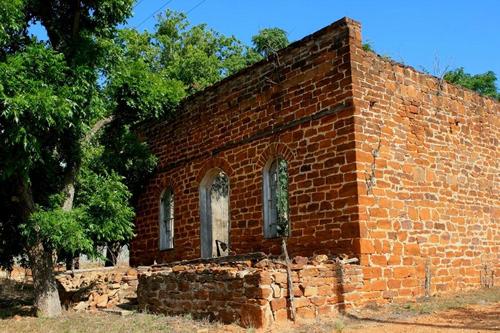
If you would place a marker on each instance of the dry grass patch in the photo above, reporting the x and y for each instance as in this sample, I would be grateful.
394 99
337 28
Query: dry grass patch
437 303
109 323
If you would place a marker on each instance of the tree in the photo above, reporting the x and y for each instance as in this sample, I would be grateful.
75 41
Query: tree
51 106
485 83
69 162
269 41
184 57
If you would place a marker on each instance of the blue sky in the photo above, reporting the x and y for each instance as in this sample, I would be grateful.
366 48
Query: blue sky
432 35
422 34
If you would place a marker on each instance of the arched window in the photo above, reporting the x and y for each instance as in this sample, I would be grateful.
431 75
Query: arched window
276 210
167 220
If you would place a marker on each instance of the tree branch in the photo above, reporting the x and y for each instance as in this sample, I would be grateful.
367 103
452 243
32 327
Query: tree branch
98 126
69 181
76 20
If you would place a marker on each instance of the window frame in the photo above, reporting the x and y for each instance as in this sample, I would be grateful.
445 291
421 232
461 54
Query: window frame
269 216
206 224
166 230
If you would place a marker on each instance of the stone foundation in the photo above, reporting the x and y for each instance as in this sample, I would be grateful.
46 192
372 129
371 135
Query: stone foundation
253 293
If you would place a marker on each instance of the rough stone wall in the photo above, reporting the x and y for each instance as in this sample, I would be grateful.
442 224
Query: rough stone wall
97 288
251 295
428 181
297 105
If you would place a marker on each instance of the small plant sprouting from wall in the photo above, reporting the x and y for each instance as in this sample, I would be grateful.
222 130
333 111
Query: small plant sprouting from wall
367 46
428 278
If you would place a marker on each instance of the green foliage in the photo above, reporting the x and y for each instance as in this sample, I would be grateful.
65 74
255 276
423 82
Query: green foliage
36 105
122 152
105 200
58 229
269 41
367 46
11 23
175 60
148 74
101 214
50 97
485 83
139 93
196 55
283 227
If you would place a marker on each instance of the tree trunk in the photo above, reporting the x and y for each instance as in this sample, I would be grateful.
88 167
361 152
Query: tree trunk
47 301
112 252
68 262
69 188
72 261
289 279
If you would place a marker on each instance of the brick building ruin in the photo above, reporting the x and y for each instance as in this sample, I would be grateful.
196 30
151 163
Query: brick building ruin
386 164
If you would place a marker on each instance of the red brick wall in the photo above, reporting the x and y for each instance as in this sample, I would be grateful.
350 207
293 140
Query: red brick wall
428 174
385 163
298 106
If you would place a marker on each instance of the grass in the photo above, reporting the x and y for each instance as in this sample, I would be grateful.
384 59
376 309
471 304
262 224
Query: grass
15 298
435 304
108 323
339 325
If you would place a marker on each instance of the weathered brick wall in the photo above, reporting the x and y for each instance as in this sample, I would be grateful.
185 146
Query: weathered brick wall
253 295
297 106
386 163
428 180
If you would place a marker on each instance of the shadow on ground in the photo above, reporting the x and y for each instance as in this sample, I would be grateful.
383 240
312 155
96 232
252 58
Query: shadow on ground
15 298
474 310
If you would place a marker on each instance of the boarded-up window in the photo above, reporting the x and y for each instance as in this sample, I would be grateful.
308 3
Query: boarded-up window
214 213
276 211
167 220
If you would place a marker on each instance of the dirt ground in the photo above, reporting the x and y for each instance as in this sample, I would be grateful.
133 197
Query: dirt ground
477 311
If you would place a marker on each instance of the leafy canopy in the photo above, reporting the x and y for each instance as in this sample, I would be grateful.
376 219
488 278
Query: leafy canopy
485 83
269 41
150 72
50 97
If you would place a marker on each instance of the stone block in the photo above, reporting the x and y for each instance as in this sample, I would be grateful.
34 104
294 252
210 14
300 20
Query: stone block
253 315
306 313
